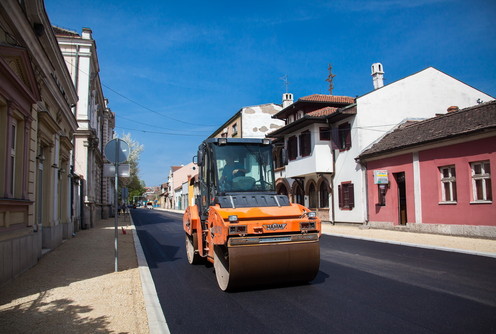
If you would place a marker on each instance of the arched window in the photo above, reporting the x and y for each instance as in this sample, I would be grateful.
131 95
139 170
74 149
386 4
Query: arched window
312 195
298 194
323 195
282 190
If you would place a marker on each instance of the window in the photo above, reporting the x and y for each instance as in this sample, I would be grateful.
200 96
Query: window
305 144
324 195
325 133
298 194
344 132
12 156
235 129
346 196
448 184
292 148
481 181
312 196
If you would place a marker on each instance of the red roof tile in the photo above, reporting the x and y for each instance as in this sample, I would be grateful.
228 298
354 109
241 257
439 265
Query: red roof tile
478 118
322 112
328 98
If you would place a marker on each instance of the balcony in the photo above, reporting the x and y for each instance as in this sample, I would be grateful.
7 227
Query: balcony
319 161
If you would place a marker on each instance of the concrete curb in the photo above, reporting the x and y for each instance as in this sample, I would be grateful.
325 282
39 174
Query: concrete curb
445 249
418 245
156 319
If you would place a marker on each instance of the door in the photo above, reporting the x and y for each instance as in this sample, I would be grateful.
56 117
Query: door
400 182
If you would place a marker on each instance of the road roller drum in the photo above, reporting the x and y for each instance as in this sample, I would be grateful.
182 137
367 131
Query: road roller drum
255 265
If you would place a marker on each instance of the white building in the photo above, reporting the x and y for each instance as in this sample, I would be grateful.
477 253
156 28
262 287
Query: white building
95 126
420 95
318 155
251 122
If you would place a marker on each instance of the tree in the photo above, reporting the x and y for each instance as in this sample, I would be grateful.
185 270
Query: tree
133 183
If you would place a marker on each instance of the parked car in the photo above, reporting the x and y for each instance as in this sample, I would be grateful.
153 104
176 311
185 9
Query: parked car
149 205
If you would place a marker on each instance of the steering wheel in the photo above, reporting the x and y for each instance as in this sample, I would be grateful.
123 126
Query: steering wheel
263 184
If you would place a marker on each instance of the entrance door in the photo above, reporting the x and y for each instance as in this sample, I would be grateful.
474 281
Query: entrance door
400 182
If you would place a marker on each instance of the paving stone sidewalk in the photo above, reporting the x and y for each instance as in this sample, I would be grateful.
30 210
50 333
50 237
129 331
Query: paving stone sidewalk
75 289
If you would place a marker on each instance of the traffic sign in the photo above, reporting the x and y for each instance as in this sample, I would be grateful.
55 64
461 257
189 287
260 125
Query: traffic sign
117 151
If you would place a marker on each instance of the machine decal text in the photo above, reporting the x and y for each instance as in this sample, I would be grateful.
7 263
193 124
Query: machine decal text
275 226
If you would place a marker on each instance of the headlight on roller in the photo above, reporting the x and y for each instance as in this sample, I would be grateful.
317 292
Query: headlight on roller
237 229
312 214
307 226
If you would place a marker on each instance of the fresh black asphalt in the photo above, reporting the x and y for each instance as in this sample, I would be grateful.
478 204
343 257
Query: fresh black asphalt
362 287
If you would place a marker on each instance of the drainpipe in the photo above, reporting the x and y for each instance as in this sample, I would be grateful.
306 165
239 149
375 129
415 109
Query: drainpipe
364 164
331 218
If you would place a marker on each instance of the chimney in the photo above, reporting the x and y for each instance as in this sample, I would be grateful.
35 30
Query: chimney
287 100
87 33
377 75
453 108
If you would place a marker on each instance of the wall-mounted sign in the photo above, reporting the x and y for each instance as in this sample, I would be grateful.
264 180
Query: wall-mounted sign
381 177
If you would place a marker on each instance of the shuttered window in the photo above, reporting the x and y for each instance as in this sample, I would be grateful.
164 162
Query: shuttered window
305 144
325 133
346 196
292 148
344 136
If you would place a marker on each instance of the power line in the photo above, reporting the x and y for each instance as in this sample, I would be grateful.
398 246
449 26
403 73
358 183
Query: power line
151 110
161 133
156 126
137 103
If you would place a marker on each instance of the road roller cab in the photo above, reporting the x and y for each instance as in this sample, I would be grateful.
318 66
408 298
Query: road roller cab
251 234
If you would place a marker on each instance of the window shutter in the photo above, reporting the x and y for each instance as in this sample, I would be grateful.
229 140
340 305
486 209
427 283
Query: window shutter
340 196
335 139
301 142
305 144
351 195
348 139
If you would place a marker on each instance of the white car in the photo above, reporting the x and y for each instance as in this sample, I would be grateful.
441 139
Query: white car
149 205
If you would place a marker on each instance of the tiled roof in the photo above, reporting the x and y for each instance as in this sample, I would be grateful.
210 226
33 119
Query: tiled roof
327 98
470 120
64 32
322 112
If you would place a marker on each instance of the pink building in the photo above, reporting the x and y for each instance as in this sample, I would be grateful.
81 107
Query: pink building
436 175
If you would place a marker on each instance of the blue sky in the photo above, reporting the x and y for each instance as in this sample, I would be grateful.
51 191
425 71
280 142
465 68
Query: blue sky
174 71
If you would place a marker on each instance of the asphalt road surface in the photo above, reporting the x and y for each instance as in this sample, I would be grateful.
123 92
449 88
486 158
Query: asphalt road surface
362 287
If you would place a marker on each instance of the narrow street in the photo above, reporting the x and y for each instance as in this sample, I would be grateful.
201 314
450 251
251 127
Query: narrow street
362 287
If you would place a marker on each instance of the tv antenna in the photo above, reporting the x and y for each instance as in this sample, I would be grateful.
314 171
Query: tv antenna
284 78
330 79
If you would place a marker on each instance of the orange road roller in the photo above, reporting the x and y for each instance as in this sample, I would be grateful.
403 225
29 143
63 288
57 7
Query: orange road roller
252 235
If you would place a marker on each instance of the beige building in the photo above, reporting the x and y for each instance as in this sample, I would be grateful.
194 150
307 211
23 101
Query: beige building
95 128
36 132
